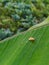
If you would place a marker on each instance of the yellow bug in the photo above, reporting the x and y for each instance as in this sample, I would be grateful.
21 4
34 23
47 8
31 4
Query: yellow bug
31 39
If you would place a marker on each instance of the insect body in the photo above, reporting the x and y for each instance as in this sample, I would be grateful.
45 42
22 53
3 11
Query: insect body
31 39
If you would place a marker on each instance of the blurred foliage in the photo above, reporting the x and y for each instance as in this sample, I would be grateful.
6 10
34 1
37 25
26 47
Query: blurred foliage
19 15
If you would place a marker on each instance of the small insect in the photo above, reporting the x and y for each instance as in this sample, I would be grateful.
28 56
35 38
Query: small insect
31 39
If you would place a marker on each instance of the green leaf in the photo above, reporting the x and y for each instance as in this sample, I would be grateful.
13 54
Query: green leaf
18 50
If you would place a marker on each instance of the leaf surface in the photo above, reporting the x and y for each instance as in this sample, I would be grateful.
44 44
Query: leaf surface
18 50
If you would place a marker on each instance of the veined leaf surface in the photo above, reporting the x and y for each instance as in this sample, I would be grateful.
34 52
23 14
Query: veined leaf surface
18 50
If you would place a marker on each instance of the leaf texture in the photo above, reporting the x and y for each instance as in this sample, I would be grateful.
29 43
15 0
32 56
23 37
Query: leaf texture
18 50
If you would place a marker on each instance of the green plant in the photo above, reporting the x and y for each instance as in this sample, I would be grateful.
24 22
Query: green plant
18 50
19 15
